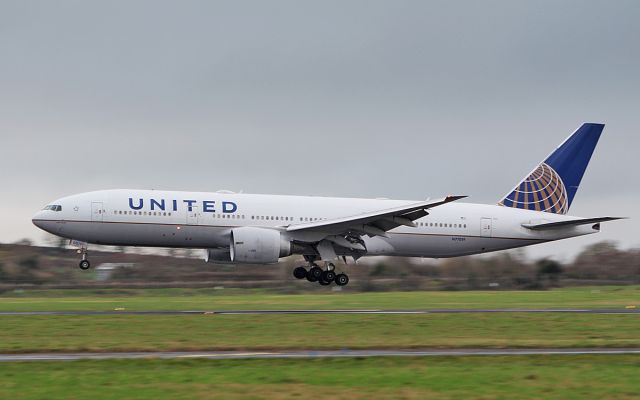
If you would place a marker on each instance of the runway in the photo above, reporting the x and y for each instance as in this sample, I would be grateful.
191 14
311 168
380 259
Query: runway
224 355
354 311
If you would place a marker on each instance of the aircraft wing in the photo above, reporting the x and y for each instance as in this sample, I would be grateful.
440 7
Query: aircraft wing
374 223
565 224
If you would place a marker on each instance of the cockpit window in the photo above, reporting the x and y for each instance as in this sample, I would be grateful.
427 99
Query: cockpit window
53 207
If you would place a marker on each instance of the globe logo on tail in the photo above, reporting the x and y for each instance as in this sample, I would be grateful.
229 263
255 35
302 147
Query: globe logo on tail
543 190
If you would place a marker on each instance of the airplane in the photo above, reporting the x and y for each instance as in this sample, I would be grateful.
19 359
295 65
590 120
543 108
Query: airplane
238 228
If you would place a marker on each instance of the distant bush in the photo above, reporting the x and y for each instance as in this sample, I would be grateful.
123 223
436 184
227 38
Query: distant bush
30 262
379 269
602 263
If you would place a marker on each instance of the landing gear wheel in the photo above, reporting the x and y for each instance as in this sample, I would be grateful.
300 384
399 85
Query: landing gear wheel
300 273
328 276
316 272
313 275
84 265
342 279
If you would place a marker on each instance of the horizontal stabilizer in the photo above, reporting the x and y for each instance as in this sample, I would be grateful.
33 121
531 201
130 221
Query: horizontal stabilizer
573 222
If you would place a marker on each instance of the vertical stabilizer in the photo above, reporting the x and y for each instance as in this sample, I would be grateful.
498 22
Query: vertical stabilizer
552 186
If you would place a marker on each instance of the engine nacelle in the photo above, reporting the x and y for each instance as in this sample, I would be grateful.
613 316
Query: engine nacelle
254 245
218 256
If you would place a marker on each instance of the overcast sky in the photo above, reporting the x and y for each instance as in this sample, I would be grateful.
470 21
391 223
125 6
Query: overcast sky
399 99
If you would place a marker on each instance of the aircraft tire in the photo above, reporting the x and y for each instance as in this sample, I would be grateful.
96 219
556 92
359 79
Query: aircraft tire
300 273
328 276
311 277
316 272
342 279
84 265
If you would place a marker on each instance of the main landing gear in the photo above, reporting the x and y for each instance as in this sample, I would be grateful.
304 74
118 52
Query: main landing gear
324 278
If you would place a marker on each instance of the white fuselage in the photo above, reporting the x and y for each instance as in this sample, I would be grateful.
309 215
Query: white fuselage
205 220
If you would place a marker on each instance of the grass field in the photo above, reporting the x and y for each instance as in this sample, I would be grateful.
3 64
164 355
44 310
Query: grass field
209 299
41 333
264 332
478 377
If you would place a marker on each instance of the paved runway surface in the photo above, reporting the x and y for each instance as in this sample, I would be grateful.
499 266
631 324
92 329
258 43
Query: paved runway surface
308 354
255 312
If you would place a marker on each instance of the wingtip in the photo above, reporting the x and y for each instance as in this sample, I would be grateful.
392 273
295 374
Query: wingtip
454 198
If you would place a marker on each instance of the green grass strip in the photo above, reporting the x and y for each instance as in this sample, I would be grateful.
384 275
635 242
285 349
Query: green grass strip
209 299
239 332
439 378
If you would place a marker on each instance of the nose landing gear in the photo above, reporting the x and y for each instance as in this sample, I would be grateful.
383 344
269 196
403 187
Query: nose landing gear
84 263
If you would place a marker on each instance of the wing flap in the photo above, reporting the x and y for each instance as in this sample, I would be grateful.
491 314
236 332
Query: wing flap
374 223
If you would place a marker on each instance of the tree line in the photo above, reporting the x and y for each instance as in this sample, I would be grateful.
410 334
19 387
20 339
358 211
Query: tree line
24 265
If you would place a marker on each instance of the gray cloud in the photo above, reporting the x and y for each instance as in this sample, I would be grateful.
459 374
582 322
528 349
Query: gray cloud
404 99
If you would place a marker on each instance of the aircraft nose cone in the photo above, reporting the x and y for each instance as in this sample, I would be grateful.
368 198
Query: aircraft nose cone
37 219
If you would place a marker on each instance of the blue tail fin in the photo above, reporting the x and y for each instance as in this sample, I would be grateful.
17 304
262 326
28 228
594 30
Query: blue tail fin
552 186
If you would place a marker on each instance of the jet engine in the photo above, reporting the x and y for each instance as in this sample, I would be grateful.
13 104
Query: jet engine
252 245
218 256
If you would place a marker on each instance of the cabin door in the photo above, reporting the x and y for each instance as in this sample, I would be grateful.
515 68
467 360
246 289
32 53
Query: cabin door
192 216
485 227
97 211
